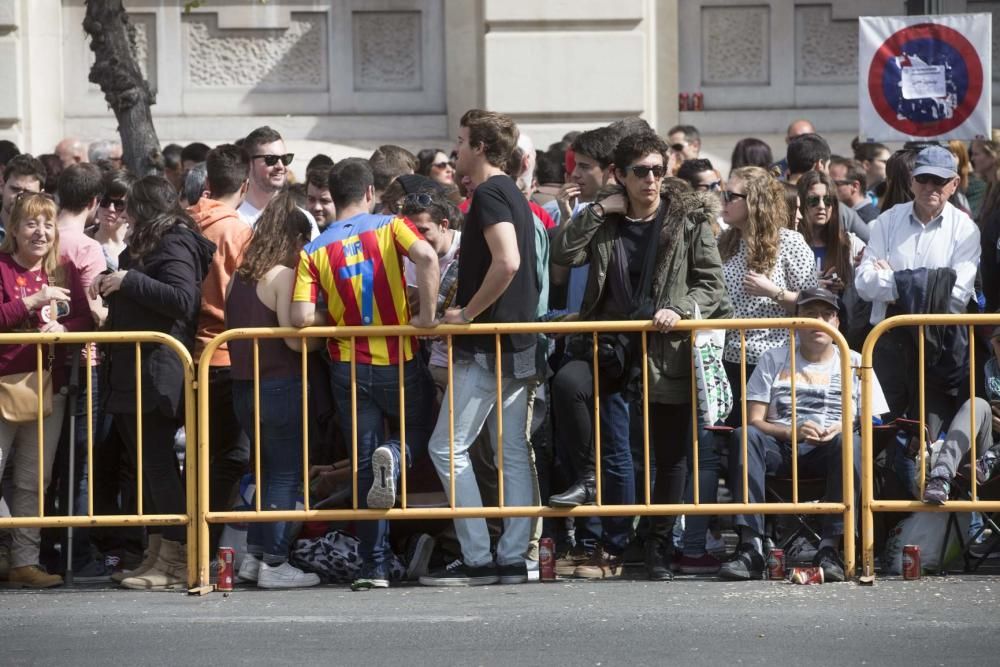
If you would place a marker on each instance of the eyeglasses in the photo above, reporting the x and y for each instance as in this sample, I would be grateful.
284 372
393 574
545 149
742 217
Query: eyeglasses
443 164
728 196
641 170
271 160
812 201
418 199
118 205
937 181
708 187
677 148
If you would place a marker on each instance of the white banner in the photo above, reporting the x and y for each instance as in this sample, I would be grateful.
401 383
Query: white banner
924 77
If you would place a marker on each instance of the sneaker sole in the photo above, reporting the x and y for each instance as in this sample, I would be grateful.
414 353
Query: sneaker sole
457 583
248 577
382 495
699 570
271 585
422 553
514 579
369 585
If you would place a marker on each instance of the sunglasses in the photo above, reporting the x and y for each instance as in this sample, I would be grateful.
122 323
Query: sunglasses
812 201
641 170
714 186
729 196
417 199
271 160
677 148
442 165
937 181
118 205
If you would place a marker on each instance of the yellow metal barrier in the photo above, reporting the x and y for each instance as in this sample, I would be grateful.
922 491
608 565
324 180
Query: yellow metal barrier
206 517
140 518
870 504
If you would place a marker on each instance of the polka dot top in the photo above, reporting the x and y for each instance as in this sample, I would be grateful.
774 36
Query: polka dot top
795 270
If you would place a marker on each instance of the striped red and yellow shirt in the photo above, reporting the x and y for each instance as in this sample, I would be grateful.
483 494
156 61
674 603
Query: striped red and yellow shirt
355 268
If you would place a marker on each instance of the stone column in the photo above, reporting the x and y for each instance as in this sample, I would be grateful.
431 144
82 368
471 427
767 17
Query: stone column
39 43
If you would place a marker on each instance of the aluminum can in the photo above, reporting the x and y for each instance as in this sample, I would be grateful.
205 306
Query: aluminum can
911 561
227 557
682 102
807 575
697 102
776 564
546 559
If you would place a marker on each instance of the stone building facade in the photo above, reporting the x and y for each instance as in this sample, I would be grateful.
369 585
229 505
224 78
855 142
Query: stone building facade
368 71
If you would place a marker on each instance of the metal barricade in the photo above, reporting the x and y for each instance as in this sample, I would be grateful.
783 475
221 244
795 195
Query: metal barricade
870 504
206 517
140 518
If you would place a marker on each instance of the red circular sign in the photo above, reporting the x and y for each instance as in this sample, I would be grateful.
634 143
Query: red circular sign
894 46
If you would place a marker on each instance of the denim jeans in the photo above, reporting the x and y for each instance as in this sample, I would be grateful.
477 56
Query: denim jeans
708 490
378 402
280 456
475 391
767 456
573 404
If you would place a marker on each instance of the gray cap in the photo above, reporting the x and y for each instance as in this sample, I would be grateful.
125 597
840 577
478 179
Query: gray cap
811 294
936 161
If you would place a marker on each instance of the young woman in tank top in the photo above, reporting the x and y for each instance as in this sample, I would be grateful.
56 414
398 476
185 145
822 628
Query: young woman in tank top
260 295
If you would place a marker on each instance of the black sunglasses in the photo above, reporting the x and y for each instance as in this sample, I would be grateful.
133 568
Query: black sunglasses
714 186
117 204
443 164
924 179
812 201
641 170
417 199
271 160
728 196
678 147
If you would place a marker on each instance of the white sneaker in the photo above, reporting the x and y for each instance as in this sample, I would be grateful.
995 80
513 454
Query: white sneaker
285 575
382 495
249 569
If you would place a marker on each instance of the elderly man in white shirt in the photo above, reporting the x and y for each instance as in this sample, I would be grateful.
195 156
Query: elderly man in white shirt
926 233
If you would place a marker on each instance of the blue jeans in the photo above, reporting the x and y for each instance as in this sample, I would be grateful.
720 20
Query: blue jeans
769 457
378 402
280 456
475 392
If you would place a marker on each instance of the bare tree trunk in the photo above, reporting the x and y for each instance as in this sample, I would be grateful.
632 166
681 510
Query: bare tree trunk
115 70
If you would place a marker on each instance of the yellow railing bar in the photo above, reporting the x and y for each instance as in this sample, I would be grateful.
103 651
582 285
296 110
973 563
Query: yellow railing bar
451 426
402 423
972 411
795 422
645 417
41 434
306 502
258 490
499 410
138 426
597 422
694 425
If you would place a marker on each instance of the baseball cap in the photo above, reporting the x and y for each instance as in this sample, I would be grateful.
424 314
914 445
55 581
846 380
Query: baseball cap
936 161
812 294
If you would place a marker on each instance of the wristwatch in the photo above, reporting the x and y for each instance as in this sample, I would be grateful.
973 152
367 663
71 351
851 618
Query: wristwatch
598 209
778 296
465 316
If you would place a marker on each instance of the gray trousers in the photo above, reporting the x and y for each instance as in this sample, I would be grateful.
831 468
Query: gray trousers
958 441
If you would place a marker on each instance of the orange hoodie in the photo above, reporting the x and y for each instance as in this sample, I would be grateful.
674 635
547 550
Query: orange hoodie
221 224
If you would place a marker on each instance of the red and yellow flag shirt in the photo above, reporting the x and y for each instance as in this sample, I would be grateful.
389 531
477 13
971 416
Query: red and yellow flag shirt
355 268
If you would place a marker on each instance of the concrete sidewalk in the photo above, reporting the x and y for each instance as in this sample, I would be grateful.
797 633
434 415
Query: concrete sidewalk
691 621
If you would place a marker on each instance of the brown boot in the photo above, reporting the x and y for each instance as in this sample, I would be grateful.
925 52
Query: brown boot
32 576
148 558
168 572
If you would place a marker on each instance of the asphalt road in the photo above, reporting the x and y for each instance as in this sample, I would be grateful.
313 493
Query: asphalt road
690 621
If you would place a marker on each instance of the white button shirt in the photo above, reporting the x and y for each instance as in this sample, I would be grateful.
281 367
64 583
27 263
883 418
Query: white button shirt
951 240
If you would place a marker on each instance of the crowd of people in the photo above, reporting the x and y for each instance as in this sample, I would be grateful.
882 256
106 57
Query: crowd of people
612 223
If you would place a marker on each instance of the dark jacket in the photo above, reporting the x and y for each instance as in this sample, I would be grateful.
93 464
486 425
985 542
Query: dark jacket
161 292
688 270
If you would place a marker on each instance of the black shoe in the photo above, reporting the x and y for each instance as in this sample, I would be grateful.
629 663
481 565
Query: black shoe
515 573
745 563
657 561
583 492
829 561
460 574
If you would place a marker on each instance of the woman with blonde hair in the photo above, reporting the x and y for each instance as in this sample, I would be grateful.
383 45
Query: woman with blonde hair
765 265
37 294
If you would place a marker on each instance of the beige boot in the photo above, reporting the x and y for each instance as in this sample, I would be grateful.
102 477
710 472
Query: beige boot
168 572
32 576
148 558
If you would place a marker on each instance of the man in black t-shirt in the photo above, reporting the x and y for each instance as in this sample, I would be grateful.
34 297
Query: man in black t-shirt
497 282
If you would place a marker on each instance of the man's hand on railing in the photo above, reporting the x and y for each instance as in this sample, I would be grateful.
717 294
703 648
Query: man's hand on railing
665 319
424 321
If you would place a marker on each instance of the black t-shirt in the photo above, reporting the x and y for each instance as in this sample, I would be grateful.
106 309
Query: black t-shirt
635 236
499 200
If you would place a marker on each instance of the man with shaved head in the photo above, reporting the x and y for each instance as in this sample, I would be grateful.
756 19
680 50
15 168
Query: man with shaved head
795 129
71 151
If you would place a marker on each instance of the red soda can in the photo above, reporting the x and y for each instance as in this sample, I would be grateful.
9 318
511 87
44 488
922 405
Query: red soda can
227 556
807 575
911 561
682 102
776 564
546 559
698 101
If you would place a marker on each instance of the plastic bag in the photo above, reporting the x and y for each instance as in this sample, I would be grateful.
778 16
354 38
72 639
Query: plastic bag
926 530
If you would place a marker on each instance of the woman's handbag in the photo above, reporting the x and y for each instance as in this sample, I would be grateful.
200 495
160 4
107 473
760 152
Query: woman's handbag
19 394
715 396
